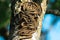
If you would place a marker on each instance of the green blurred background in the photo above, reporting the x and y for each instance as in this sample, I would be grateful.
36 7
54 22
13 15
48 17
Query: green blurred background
5 12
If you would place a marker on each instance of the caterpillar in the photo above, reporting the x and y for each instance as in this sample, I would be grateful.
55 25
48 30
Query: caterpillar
24 21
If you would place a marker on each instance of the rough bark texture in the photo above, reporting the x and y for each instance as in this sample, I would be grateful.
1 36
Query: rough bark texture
26 20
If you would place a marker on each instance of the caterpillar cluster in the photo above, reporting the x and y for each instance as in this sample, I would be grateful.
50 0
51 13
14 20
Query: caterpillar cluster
25 19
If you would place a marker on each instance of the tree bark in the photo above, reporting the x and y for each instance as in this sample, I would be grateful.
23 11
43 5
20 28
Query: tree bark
36 35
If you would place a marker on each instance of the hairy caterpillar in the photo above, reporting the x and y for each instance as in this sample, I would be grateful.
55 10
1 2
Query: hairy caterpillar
24 20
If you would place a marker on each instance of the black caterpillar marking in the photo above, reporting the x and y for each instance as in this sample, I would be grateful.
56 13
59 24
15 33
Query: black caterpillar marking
25 20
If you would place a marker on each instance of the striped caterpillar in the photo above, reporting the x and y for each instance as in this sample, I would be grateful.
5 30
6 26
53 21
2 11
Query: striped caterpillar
25 20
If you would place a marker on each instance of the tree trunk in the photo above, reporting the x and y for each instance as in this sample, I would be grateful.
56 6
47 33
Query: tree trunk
36 34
